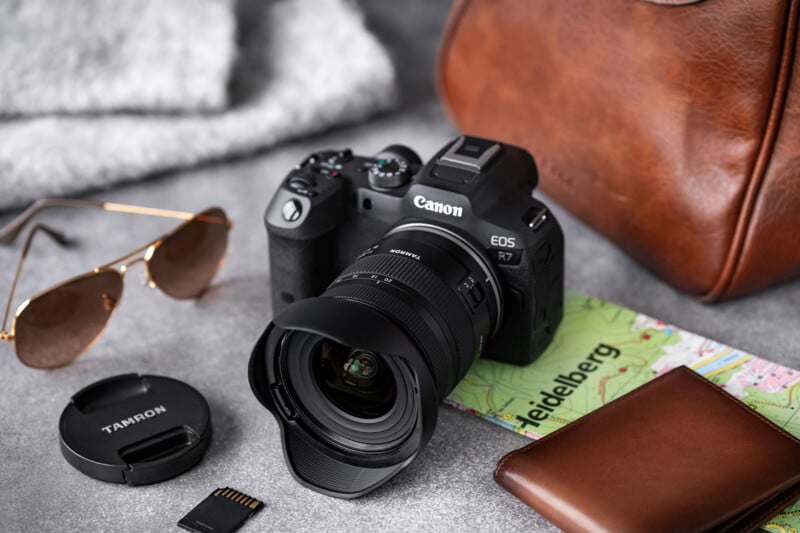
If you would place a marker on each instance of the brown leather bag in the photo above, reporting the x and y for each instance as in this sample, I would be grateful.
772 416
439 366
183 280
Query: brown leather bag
672 127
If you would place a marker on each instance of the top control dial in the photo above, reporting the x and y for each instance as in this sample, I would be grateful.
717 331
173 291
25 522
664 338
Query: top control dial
389 173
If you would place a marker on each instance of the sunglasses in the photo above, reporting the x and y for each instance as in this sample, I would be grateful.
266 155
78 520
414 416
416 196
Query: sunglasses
58 324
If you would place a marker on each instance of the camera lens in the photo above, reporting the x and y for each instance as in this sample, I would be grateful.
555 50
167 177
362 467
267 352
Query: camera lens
356 381
438 285
355 375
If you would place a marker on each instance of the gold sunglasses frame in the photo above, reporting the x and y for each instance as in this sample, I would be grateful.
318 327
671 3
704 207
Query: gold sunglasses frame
11 231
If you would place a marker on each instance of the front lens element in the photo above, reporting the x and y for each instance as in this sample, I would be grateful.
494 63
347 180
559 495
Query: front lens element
186 261
60 324
356 381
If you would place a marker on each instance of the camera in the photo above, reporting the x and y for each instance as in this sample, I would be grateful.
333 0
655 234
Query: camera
389 278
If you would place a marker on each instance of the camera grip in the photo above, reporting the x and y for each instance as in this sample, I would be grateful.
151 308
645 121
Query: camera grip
300 268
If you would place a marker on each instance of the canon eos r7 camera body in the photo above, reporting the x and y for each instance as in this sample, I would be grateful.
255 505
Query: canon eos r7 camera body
388 279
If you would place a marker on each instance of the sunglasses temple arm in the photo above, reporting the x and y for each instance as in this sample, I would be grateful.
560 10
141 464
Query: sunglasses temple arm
149 211
53 234
10 232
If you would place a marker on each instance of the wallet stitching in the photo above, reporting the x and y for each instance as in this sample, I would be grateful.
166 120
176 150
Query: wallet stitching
500 469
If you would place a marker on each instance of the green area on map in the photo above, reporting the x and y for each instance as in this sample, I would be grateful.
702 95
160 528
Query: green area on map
602 351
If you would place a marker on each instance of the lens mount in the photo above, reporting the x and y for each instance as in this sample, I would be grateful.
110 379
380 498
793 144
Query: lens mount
490 275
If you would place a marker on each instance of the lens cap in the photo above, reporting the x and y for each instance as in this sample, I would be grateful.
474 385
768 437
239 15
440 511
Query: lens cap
135 429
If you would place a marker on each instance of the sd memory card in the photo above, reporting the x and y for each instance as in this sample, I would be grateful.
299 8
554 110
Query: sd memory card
224 511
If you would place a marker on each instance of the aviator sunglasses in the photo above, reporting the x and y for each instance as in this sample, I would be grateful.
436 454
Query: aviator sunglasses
55 326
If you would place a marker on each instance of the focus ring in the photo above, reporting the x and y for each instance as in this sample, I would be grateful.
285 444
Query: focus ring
418 278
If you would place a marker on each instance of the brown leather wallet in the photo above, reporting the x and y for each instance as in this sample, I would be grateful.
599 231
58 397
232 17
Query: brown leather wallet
676 454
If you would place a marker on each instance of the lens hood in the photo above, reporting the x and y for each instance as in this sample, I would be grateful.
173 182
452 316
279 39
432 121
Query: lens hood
316 458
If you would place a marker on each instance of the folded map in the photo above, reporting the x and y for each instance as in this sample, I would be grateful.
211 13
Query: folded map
602 351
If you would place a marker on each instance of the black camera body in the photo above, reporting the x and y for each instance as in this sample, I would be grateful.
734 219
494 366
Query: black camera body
334 207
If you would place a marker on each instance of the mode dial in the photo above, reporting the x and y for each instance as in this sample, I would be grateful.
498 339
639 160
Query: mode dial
389 173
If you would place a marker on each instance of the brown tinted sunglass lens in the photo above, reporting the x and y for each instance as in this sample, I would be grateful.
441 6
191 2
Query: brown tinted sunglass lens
60 324
185 262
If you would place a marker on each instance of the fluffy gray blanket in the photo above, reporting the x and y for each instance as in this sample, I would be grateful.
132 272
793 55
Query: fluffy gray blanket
93 92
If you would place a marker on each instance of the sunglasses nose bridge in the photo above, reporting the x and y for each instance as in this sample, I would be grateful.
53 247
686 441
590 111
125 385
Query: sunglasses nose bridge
124 268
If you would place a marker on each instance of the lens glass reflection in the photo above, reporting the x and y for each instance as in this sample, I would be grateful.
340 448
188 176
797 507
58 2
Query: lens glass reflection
356 381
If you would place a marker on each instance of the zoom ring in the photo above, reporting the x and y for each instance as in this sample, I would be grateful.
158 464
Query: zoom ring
437 297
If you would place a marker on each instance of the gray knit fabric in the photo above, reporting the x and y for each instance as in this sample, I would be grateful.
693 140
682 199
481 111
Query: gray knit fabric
285 84
99 55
